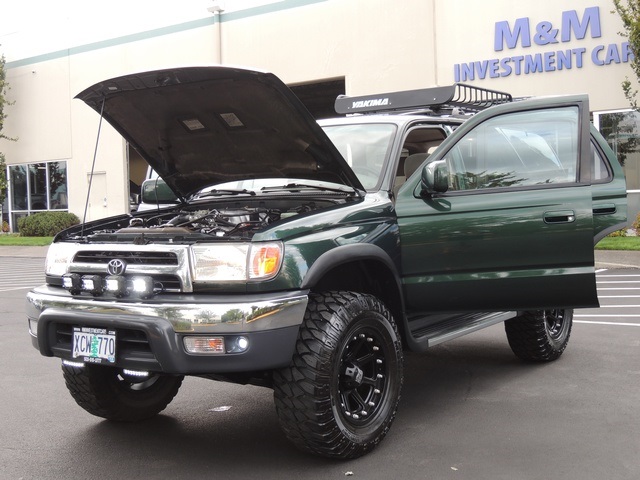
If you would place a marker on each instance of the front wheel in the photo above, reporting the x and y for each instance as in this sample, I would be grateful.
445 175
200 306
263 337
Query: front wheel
115 395
339 396
540 335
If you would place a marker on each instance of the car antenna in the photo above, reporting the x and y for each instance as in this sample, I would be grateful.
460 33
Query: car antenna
93 165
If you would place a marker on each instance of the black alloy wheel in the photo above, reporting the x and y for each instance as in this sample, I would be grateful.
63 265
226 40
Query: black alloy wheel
340 395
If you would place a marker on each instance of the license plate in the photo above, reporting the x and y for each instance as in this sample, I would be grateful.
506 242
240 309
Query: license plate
94 345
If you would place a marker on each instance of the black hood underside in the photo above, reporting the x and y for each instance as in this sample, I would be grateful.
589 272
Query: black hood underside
200 126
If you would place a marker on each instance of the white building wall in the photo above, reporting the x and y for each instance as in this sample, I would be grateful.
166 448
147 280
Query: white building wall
470 37
375 45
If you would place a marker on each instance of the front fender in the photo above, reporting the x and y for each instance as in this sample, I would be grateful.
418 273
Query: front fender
344 255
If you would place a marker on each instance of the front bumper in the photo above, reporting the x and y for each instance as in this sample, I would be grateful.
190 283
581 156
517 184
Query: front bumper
151 332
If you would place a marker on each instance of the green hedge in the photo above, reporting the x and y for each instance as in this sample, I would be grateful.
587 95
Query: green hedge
46 224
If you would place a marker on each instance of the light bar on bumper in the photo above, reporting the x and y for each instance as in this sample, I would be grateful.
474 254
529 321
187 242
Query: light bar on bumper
140 286
236 262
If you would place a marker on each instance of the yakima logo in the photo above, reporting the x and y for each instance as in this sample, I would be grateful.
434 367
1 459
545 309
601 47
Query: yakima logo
376 102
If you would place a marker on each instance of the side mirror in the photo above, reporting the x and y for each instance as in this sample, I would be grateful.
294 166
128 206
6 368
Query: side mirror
156 191
435 177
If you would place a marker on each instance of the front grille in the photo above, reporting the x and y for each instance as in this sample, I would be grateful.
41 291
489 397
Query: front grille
168 266
133 258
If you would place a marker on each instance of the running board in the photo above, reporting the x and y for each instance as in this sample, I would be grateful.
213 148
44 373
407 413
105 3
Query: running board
454 327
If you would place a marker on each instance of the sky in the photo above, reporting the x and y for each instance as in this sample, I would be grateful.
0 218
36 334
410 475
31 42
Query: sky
35 27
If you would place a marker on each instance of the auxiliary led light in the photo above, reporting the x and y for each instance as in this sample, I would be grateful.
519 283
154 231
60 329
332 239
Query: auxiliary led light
69 363
135 373
142 286
116 284
72 282
92 284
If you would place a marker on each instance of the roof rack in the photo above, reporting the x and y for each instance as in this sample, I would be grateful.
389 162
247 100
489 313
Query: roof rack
466 97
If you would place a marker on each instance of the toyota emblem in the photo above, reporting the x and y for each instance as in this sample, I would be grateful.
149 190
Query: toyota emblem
116 267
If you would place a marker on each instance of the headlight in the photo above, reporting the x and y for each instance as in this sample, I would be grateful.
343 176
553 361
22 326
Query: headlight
236 262
59 256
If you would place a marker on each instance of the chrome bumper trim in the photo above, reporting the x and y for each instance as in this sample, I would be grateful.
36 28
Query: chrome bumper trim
210 314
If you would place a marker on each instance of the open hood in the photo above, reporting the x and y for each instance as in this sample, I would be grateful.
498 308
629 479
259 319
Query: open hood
198 126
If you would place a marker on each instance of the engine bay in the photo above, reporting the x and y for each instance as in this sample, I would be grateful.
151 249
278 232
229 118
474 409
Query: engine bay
238 222
188 223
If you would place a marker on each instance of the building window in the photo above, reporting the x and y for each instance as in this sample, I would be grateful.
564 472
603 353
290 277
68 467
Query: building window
36 187
621 130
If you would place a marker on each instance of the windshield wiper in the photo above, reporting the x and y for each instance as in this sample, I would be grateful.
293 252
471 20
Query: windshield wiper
295 187
226 191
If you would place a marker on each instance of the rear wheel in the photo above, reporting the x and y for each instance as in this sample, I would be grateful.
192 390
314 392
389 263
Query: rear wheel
340 394
540 335
112 394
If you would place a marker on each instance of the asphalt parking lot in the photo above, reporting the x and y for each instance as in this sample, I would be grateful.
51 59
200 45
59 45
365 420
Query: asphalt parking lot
470 410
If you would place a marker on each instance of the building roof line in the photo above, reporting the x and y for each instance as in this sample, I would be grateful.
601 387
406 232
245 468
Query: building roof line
158 32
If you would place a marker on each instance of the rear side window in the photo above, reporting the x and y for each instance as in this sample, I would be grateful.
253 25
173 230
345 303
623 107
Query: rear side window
600 172
521 149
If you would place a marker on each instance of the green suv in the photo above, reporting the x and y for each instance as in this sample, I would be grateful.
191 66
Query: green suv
307 257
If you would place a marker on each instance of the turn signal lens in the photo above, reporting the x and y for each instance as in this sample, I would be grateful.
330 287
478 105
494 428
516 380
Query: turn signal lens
265 260
210 345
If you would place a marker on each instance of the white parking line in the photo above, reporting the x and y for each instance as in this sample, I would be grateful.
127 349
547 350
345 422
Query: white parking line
617 324
619 275
17 288
618 281
623 288
619 306
618 296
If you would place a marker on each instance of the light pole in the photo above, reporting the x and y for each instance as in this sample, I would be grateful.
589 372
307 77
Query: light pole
217 8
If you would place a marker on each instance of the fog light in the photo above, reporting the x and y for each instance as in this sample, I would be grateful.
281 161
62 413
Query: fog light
92 284
210 345
116 285
238 345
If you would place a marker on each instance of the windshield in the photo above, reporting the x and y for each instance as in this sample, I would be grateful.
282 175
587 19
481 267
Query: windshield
365 147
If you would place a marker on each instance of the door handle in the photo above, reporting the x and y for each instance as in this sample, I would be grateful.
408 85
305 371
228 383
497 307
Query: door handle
560 216
604 209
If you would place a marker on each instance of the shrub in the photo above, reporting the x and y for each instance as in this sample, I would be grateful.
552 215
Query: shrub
46 224
619 233
636 224
5 227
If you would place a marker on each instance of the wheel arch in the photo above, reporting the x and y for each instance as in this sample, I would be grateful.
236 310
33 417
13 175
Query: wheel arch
364 268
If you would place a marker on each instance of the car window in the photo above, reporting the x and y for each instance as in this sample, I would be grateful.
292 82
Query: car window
517 150
599 171
365 147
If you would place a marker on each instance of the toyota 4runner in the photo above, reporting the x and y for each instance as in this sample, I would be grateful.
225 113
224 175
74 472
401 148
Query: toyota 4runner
307 257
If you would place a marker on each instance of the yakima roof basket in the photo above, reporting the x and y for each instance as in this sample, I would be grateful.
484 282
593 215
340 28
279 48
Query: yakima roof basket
467 97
